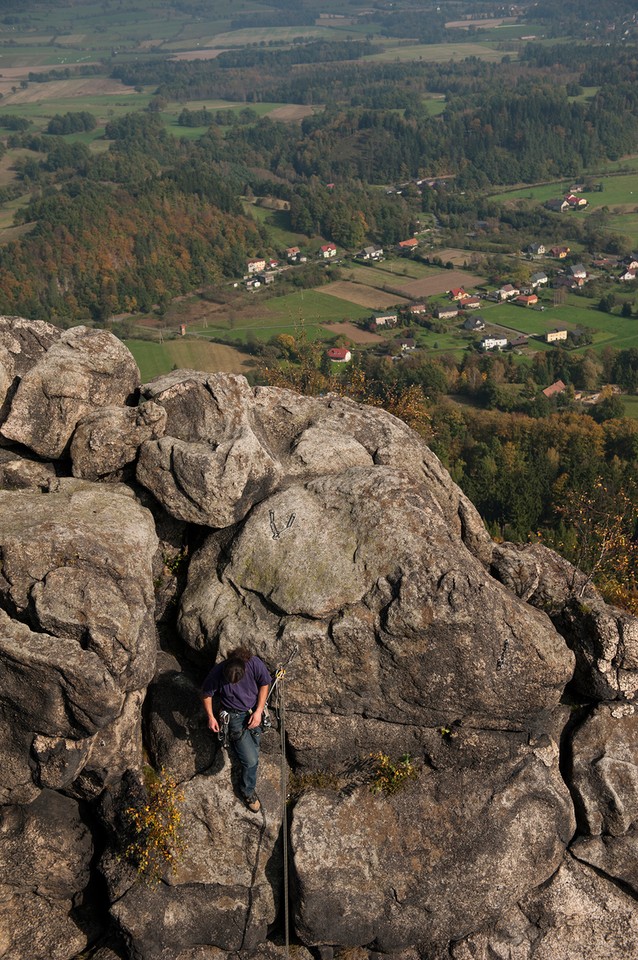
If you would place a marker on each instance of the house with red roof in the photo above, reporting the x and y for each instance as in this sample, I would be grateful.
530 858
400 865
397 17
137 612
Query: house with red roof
339 355
526 300
328 250
554 389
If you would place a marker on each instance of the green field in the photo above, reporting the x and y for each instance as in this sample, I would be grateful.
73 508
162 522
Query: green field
631 406
311 306
439 52
154 359
392 271
618 190
278 224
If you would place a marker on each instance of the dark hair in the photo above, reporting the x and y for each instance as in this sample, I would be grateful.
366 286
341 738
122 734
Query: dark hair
235 664
234 670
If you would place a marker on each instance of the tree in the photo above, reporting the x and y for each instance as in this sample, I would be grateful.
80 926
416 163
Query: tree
604 517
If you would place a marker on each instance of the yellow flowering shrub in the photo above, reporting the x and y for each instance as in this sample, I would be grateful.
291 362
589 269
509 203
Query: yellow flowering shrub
153 826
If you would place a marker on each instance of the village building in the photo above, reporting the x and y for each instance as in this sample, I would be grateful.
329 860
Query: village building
407 246
339 355
493 343
508 291
557 205
554 389
292 253
446 313
371 252
328 251
569 282
416 309
576 203
470 303
554 336
526 300
559 252
538 279
578 271
457 293
536 249
520 341
385 320
255 266
473 323
407 344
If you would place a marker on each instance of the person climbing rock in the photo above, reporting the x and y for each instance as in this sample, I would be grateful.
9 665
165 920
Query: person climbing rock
240 685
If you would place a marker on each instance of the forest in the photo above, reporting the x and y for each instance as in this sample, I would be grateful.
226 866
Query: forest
124 224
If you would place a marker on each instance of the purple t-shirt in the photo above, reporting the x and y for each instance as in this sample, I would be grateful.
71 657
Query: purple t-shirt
243 694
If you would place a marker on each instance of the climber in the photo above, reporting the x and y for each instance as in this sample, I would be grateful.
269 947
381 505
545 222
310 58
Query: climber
240 685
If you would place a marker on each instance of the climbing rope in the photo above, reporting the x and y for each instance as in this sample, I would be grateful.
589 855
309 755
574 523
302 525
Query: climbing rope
280 710
284 807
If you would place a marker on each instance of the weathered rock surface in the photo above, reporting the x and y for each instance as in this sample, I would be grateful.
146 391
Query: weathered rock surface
45 853
471 853
22 344
225 893
385 606
308 524
24 473
79 636
210 467
108 439
604 638
82 370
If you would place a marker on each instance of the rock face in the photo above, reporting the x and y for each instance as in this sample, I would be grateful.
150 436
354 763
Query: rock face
316 528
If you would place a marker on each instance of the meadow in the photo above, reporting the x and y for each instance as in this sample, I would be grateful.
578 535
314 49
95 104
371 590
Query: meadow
438 52
154 359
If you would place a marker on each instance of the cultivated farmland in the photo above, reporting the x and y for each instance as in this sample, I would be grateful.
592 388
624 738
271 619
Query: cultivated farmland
441 283
363 295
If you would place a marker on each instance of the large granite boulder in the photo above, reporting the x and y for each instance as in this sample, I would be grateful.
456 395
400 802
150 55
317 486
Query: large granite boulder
107 440
22 344
210 467
443 856
82 370
76 628
604 639
45 855
225 891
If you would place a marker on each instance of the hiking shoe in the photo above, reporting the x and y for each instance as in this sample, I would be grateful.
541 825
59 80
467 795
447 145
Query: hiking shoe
252 802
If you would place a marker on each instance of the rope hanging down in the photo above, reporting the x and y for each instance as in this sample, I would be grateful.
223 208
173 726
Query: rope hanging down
280 710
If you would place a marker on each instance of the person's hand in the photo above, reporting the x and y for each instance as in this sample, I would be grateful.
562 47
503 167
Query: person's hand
255 719
213 724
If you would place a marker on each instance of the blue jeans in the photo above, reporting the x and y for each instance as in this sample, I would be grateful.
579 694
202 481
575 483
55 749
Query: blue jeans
246 746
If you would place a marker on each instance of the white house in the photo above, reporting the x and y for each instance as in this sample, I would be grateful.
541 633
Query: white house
493 343
255 266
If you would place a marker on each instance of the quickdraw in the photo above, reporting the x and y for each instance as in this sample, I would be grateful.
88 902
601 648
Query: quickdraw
280 676
222 735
